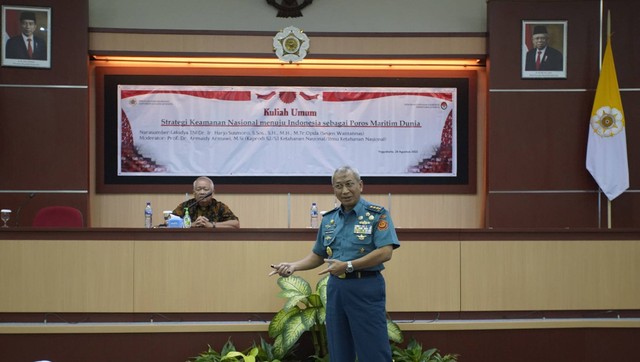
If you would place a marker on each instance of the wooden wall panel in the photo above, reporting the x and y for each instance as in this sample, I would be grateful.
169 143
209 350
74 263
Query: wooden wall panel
538 128
349 45
66 276
292 211
626 47
204 276
45 139
69 47
522 345
44 146
631 104
505 34
544 210
195 276
435 266
25 205
541 143
226 271
44 143
549 275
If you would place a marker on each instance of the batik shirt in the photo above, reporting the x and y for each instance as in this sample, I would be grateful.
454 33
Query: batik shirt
216 211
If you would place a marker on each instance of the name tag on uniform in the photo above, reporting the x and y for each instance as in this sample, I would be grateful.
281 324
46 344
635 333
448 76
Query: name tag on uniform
362 229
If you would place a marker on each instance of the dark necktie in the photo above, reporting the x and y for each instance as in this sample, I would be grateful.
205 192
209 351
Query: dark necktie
29 48
538 60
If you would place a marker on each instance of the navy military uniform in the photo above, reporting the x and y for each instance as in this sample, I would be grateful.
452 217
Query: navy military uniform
356 313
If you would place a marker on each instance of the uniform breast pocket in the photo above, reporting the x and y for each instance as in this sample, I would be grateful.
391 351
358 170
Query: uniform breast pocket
362 239
362 244
328 239
362 234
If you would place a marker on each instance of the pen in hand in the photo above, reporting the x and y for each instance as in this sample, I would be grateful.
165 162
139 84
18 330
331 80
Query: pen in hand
273 271
277 271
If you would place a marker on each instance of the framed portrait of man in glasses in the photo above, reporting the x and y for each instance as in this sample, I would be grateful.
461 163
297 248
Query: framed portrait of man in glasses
544 49
26 36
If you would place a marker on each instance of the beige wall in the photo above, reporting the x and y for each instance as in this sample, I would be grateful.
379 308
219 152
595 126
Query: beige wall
325 15
271 211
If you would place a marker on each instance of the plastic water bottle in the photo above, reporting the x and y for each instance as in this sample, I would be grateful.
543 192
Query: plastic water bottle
186 220
314 215
148 216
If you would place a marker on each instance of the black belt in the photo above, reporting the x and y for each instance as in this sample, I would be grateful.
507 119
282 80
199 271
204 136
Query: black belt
359 274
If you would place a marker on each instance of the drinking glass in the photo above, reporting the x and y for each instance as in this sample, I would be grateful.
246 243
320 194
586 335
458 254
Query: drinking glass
6 215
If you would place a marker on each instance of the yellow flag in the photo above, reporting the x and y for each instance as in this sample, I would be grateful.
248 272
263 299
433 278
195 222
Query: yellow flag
607 143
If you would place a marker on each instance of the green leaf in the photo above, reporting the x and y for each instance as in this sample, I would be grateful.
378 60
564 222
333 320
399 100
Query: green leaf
322 283
395 334
292 331
295 282
253 352
231 356
308 317
265 351
322 291
430 353
288 293
249 357
228 347
314 300
279 321
278 346
210 355
322 315
294 301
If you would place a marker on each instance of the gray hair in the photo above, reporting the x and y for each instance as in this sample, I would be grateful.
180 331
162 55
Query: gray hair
346 169
206 179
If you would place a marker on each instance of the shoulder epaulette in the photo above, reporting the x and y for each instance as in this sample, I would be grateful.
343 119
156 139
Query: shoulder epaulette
375 208
332 210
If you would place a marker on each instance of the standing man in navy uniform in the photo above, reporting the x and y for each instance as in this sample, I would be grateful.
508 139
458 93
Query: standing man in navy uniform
354 240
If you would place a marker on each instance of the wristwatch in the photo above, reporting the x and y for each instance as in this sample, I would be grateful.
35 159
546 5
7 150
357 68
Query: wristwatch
349 267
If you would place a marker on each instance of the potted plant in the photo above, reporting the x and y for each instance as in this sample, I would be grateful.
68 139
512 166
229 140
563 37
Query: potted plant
255 353
211 355
304 311
414 353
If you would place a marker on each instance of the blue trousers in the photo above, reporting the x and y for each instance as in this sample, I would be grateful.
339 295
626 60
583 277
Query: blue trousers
356 320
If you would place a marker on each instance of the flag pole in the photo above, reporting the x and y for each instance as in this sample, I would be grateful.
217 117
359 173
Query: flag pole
609 213
607 159
600 50
608 39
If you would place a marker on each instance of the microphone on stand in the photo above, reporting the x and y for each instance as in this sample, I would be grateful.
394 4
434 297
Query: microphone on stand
31 195
198 200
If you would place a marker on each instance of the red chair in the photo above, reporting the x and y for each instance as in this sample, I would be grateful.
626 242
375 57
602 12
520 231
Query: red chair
58 216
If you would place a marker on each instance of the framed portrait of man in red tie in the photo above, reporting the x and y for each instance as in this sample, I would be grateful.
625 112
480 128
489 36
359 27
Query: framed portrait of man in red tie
544 45
26 36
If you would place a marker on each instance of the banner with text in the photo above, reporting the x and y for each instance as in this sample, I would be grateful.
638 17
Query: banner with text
285 131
